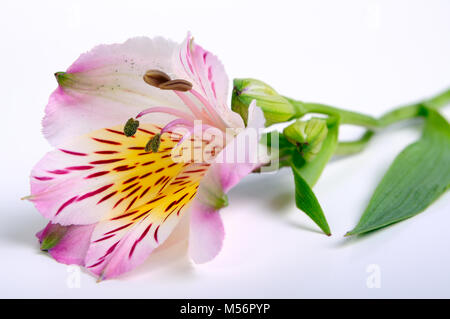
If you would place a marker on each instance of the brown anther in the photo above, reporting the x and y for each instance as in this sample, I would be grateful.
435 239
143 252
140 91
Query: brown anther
155 77
176 85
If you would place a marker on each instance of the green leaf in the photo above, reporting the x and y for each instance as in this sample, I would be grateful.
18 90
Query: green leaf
416 178
311 171
307 201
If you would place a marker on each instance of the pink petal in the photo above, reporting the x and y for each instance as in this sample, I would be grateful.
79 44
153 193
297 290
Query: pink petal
209 78
205 70
73 245
104 87
98 174
121 243
206 233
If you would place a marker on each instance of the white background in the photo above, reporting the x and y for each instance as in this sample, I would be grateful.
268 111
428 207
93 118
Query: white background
366 56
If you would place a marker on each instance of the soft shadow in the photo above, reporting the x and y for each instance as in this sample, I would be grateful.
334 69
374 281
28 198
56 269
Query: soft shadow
22 230
274 192
304 227
356 239
271 189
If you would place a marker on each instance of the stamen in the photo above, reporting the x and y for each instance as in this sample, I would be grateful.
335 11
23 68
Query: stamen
166 110
131 127
153 144
176 85
155 77
174 123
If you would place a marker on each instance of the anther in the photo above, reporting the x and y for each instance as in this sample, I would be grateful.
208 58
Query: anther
153 144
131 127
155 77
176 85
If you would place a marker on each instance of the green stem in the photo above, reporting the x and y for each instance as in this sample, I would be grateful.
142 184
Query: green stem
359 119
353 147
348 117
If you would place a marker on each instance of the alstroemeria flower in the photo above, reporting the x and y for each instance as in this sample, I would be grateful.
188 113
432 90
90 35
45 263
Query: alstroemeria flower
109 201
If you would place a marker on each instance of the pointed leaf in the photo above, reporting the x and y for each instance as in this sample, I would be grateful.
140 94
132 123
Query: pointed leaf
416 178
307 201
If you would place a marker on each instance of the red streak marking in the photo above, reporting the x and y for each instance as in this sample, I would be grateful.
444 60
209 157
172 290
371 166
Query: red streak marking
182 197
43 178
115 132
196 170
118 202
130 180
110 250
129 187
159 180
58 172
108 161
106 141
106 197
117 229
156 234
79 168
166 156
67 203
171 205
179 190
147 163
104 238
97 174
156 199
172 165
134 191
165 182
159 170
93 193
123 168
72 153
137 148
139 239
125 215
145 192
106 152
137 217
132 202
96 264
145 175
145 131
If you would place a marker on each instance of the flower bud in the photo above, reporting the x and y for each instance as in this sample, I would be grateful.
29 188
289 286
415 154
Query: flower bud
276 108
308 136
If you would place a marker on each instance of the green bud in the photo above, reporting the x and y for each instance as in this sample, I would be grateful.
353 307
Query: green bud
64 79
308 136
131 127
52 238
153 144
276 108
